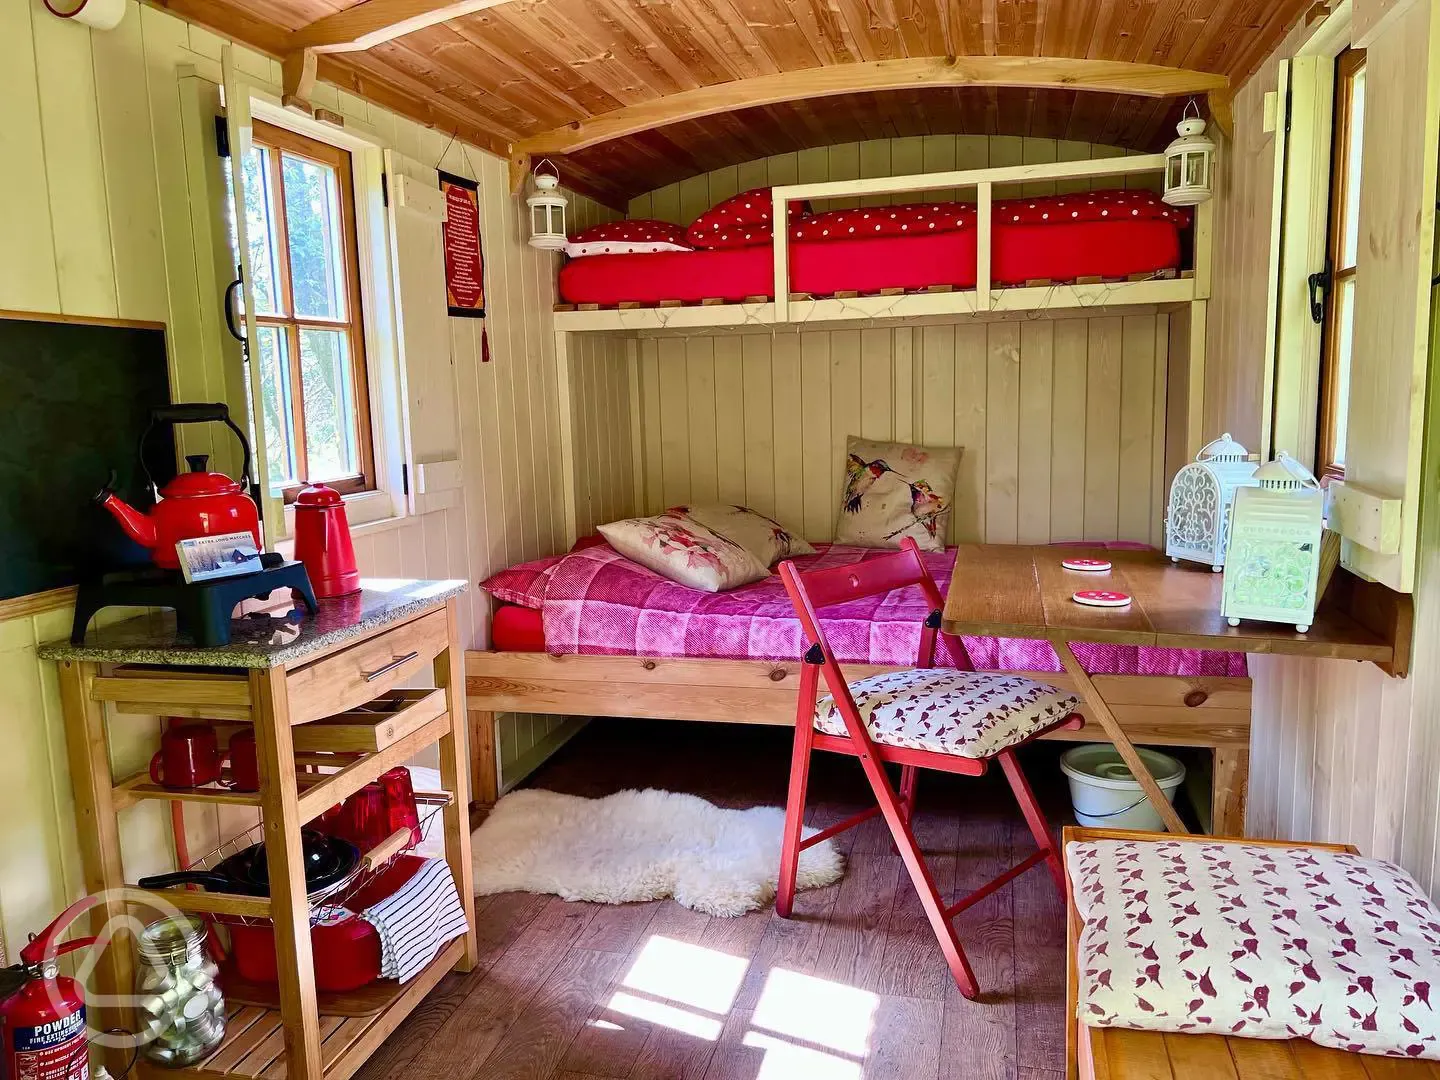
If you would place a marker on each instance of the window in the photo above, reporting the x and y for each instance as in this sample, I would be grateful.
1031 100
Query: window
1342 244
310 344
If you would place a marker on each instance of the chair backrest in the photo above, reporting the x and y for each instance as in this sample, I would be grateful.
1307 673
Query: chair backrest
814 589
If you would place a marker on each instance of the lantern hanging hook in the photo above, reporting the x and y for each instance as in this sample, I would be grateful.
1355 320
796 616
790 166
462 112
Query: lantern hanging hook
1185 112
542 163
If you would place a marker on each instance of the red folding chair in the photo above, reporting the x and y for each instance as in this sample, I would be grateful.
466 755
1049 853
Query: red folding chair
951 720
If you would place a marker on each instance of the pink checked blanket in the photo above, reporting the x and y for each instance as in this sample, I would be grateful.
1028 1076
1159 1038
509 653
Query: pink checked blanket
599 603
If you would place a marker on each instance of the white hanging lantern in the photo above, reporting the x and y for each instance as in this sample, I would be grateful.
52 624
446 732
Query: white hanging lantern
1188 161
1274 558
1197 521
547 209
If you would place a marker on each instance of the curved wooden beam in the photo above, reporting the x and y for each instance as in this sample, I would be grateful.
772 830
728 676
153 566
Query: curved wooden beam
373 22
1059 73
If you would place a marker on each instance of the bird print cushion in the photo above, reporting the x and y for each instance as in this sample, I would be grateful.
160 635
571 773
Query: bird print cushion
1260 942
893 490
763 537
685 552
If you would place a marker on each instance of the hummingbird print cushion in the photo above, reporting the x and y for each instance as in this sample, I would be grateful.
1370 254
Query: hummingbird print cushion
1259 942
894 490
685 552
763 537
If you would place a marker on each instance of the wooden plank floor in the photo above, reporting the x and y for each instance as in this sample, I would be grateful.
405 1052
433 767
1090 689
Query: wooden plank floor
852 987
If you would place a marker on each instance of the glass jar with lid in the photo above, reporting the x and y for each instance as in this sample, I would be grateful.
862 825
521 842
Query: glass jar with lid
182 1011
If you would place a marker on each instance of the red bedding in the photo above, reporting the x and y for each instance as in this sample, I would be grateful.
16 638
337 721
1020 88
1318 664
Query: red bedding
1058 252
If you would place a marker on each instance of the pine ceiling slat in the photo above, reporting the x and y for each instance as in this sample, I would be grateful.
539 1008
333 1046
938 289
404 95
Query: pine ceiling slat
527 66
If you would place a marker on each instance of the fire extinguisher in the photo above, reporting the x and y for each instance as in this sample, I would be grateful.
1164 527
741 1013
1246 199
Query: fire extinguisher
42 1013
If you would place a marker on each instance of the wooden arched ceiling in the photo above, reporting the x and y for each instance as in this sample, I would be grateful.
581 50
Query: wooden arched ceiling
521 68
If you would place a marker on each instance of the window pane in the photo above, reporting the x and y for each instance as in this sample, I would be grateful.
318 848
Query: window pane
260 231
1351 242
272 355
312 221
329 405
1344 331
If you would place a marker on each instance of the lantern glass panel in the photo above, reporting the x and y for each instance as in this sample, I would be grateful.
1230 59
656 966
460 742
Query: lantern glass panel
1195 168
1172 178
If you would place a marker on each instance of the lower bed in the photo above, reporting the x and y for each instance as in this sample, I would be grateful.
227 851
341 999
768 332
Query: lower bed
1019 253
617 640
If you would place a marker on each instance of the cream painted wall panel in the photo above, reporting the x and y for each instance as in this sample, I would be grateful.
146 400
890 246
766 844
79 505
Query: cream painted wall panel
106 133
788 403
28 277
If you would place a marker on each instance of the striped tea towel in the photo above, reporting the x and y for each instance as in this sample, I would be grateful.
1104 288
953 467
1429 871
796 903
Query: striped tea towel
416 920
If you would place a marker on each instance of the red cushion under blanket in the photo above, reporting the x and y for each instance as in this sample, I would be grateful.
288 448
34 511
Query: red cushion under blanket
517 629
1021 253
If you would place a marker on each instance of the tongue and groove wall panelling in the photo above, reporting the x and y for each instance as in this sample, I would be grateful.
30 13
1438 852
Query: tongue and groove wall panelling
100 140
682 202
1062 421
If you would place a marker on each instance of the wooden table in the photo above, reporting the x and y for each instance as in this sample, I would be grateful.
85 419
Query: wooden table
1001 590
1122 1054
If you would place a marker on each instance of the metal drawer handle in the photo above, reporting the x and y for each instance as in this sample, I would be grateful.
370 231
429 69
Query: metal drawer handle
371 676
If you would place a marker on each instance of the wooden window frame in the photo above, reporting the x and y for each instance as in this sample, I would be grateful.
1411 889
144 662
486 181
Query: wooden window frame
280 140
1347 65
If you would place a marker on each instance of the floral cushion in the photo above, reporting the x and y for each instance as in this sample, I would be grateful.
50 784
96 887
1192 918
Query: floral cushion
892 491
972 714
524 584
763 537
908 220
740 221
685 552
1261 942
637 237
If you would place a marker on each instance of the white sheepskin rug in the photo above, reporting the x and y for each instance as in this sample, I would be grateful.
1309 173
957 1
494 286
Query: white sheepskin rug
641 845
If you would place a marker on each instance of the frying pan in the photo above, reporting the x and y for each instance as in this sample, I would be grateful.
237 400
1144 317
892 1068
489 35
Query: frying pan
330 864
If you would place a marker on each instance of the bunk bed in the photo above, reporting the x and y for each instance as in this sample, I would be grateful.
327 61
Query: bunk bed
990 266
1159 696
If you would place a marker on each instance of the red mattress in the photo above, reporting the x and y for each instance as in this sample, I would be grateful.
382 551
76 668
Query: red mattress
1058 252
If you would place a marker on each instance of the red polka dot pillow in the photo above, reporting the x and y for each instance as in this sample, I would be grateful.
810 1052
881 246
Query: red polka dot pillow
627 238
912 220
740 221
1088 206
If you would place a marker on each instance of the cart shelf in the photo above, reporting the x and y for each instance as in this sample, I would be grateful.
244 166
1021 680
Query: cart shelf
254 1043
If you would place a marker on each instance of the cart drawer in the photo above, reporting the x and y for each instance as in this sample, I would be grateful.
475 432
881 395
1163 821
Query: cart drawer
374 725
365 671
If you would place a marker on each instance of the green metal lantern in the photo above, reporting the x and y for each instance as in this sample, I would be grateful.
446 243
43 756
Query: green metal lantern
1273 561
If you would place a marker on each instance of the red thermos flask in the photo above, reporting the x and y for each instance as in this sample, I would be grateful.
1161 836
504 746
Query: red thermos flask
322 541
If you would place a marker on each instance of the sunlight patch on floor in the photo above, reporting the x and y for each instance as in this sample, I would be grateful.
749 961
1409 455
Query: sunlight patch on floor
786 1061
675 984
816 1028
817 1011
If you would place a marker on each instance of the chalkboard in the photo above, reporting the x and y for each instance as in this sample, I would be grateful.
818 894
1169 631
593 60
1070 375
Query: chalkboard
75 399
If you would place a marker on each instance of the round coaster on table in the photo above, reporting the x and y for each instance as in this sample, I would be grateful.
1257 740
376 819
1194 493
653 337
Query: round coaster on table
1101 598
1093 566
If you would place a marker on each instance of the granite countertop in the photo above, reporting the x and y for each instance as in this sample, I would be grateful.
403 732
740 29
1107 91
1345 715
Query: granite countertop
272 639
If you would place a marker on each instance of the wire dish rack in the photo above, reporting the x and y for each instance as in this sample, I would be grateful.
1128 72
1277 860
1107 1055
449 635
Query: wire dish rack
371 865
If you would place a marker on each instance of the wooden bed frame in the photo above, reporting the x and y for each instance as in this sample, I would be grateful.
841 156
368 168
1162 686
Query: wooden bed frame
1158 710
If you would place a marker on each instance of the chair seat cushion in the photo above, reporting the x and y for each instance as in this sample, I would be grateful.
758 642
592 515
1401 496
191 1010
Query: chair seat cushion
972 714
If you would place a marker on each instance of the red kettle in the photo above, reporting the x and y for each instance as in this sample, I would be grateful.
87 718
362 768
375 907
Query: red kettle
195 503
322 541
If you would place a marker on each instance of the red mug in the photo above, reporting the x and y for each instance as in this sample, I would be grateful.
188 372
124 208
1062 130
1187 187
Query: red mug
244 764
400 803
189 756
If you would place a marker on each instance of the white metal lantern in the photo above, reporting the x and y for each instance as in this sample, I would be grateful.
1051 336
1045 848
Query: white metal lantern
547 209
1188 161
1197 521
1274 558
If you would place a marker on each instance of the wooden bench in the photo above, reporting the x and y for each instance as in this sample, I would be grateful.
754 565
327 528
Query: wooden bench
1119 1054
